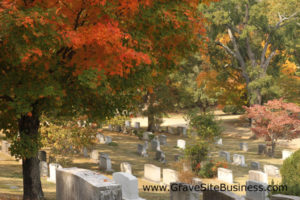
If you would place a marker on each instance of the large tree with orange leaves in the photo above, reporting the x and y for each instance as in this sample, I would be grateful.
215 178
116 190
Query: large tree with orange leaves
83 57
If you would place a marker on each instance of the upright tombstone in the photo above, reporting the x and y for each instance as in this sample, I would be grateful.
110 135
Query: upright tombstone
4 146
286 154
182 191
108 140
100 138
85 152
225 175
43 168
162 139
146 144
52 171
137 125
152 173
259 176
239 160
160 156
219 141
110 127
94 155
142 150
128 123
42 155
262 149
244 146
171 130
129 184
271 170
225 155
255 165
169 176
181 130
181 144
155 145
80 184
146 135
105 162
126 167
253 194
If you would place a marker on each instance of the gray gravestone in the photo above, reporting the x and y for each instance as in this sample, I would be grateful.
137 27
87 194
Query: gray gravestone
42 155
255 194
100 138
85 152
162 139
81 184
262 149
239 160
181 130
184 193
255 165
137 125
244 146
146 135
155 145
220 195
43 168
94 155
146 144
4 147
108 139
105 162
142 150
225 155
160 156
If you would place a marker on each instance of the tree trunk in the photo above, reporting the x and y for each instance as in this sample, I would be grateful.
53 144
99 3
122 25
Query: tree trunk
273 148
32 187
151 123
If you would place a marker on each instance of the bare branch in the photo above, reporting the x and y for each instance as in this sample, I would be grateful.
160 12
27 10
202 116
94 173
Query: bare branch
7 98
228 50
267 62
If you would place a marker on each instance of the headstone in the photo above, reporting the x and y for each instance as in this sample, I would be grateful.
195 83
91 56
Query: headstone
169 176
225 175
239 160
181 130
80 184
181 144
262 149
255 165
128 123
94 155
259 176
4 147
146 144
129 185
256 194
196 181
284 197
52 171
220 195
43 168
286 154
85 152
146 135
162 139
110 127
160 156
244 146
42 155
271 170
105 162
225 155
100 138
155 145
219 141
108 139
142 150
184 193
152 173
137 125
126 167
171 130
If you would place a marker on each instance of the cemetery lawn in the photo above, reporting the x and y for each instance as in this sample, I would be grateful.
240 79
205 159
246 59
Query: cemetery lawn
235 131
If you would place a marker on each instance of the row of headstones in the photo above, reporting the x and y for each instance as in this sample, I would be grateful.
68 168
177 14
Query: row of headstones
127 125
103 139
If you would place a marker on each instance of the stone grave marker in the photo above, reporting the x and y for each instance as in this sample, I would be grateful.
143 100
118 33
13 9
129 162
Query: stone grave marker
169 176
129 185
244 146
286 154
105 163
85 152
225 155
137 125
162 139
81 184
52 171
152 173
171 130
259 176
42 155
43 169
100 138
142 150
4 147
271 170
128 124
108 139
262 149
146 144
219 141
225 175
146 135
239 160
160 156
252 194
94 155
126 167
181 130
185 193
155 145
255 165
110 127
181 144
284 197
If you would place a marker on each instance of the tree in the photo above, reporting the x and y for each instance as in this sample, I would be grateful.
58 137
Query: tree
275 120
258 32
72 58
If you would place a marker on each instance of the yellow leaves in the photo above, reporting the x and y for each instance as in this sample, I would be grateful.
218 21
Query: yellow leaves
289 68
225 39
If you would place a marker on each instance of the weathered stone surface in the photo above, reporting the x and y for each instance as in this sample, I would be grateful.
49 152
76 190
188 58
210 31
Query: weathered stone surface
129 184
4 146
105 162
181 130
146 135
146 145
169 176
244 146
262 149
85 152
256 194
220 195
171 130
110 127
127 123
142 150
271 170
152 173
155 145
126 167
100 138
42 155
225 155
181 144
162 139
286 154
196 181
43 168
52 171
160 156
284 197
82 184
239 160
255 165
259 176
137 125
181 191
108 139
95 155
225 175
219 141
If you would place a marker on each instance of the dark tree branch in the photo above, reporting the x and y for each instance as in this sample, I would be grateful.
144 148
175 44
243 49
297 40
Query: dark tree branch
7 98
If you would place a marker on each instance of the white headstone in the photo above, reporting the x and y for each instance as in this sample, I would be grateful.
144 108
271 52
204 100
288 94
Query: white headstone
225 175
239 160
271 170
169 176
259 176
100 138
152 173
126 167
52 171
94 155
286 154
129 185
181 144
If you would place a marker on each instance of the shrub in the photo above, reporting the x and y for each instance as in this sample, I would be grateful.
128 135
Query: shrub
114 144
196 153
290 172
185 174
233 109
210 169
